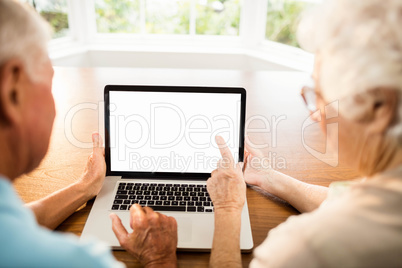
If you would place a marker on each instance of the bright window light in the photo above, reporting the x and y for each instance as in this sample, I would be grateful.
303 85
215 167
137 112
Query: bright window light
282 19
55 12
185 17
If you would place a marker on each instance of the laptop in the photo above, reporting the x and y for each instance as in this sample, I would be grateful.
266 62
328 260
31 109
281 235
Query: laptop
160 150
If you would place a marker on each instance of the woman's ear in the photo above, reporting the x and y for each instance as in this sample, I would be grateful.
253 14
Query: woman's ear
10 91
383 108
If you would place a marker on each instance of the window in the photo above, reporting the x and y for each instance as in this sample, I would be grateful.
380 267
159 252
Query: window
55 12
203 17
282 19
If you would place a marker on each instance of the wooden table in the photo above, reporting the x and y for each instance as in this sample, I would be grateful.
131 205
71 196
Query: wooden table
275 111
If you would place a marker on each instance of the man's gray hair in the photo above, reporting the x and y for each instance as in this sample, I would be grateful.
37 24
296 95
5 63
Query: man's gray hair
360 46
23 35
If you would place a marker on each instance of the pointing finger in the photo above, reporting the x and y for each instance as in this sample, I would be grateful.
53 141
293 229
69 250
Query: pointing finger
225 152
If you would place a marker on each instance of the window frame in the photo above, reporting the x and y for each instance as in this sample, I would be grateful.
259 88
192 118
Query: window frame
250 41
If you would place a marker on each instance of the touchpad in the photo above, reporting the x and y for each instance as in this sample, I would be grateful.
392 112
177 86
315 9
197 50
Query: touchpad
184 229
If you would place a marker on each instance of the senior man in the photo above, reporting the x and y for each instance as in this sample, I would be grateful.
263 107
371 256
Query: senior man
27 112
358 73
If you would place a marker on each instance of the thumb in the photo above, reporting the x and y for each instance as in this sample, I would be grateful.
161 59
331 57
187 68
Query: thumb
97 143
250 147
240 166
118 228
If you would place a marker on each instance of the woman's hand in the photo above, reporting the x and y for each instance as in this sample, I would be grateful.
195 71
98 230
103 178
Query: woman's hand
257 169
226 186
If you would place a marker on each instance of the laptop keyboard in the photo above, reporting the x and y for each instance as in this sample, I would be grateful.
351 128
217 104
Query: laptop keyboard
163 197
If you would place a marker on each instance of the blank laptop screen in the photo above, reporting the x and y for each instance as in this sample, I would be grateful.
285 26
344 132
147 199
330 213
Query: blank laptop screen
171 131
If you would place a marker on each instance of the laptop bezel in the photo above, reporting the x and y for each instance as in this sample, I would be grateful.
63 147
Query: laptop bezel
179 89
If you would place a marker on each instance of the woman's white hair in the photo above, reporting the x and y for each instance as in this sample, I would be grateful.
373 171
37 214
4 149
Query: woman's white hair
360 47
23 35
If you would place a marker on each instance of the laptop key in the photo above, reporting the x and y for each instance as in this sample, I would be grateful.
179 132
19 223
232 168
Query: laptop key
208 210
143 202
148 197
115 207
166 203
200 209
198 204
119 201
127 202
123 207
121 196
175 203
159 203
192 209
164 197
168 208
182 203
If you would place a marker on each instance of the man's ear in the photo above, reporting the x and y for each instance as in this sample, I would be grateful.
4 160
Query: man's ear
11 82
383 108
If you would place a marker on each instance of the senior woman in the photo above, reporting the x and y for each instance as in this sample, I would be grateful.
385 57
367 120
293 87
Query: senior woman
358 46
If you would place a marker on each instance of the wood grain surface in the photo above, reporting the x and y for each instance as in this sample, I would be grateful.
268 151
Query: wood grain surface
275 116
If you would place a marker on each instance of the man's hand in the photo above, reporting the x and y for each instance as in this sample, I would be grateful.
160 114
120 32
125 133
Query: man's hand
153 240
95 170
226 185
